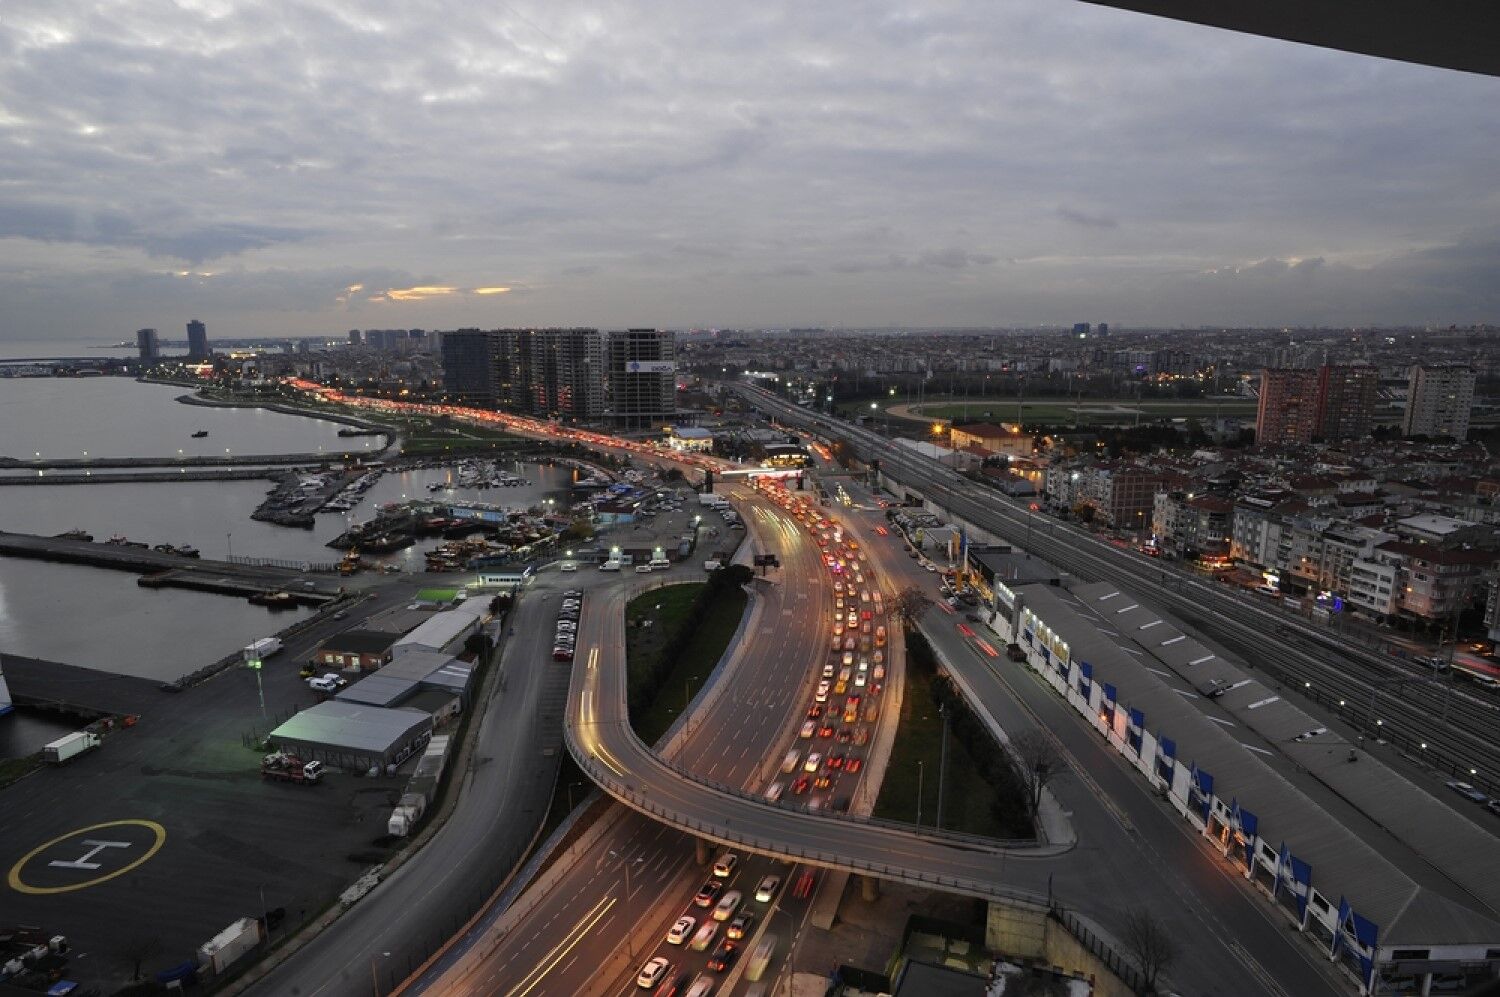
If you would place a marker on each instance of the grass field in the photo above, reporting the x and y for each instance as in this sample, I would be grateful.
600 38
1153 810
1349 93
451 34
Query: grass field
968 802
436 595
666 611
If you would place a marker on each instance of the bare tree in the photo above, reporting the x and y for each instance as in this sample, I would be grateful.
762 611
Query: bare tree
909 605
1038 761
136 949
1149 942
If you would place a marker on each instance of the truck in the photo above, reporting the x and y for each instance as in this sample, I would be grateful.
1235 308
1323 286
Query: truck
70 746
282 767
261 649
406 815
224 949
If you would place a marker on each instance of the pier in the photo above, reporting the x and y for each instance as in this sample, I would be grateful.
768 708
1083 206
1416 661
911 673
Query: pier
177 570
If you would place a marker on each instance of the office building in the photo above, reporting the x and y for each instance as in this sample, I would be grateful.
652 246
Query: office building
1288 411
198 341
147 344
1346 401
642 376
556 373
356 338
1438 401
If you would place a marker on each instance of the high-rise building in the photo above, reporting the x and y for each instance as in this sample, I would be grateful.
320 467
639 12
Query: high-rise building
356 338
198 341
147 344
1081 330
1346 401
1288 411
1103 330
546 372
642 375
1438 401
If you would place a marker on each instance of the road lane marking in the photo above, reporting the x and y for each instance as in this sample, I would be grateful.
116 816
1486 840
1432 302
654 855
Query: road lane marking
563 948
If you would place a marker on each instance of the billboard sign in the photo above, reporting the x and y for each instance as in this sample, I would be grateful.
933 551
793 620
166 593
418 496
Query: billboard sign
650 367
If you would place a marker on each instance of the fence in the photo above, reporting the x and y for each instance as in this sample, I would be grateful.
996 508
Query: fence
286 565
1101 950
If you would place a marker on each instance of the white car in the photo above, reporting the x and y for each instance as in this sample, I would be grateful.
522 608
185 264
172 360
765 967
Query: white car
807 730
323 684
728 862
790 759
681 929
568 566
643 569
774 791
767 889
814 759
653 973
822 693
727 906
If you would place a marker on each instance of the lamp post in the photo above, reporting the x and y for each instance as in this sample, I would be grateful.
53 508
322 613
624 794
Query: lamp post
629 920
919 795
795 938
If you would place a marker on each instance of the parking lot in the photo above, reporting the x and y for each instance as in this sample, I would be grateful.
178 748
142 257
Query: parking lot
171 818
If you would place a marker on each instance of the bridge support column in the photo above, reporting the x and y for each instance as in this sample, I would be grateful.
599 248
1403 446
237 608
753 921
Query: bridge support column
701 851
869 889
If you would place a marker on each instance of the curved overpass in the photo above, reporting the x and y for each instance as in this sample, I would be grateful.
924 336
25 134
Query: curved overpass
598 734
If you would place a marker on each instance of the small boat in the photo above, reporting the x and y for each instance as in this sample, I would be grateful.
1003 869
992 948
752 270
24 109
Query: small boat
200 434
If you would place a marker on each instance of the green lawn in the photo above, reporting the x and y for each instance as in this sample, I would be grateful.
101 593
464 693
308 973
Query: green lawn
969 804
436 595
666 610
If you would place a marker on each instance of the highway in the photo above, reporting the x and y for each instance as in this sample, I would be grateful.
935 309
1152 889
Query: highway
1455 726
585 933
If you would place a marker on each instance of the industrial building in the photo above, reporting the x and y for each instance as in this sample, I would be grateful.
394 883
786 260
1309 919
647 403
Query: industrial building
353 736
1135 677
356 650
437 684
445 631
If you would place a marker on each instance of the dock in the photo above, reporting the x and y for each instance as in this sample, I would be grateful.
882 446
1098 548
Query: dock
177 570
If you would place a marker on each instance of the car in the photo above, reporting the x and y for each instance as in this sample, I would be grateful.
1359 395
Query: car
789 761
707 893
704 936
728 862
740 926
814 760
826 730
727 906
562 654
774 791
681 929
807 729
852 765
822 694
861 736
835 761
840 687
821 782
844 736
322 684
766 889
677 987
1468 792
1493 807
798 788
723 957
804 886
815 711
643 569
653 972
568 566
846 672
859 680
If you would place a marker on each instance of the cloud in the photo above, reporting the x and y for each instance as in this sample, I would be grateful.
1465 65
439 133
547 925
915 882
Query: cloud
683 162
1085 219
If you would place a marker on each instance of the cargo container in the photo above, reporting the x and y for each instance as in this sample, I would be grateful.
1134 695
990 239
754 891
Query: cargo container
222 950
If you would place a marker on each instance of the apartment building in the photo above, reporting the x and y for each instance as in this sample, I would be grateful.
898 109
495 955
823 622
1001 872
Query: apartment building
552 373
1346 400
1438 401
1288 409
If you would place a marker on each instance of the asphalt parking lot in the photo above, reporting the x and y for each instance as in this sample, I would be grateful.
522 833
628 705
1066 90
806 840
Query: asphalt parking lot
166 834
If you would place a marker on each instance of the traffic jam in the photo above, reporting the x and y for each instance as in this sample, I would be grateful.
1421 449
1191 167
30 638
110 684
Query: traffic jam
819 772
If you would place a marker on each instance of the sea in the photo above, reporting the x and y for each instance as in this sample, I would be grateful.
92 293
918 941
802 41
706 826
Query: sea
102 619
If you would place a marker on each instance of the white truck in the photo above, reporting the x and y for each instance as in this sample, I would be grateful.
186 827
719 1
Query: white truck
407 814
262 649
70 746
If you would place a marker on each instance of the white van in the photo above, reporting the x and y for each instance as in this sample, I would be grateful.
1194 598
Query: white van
610 566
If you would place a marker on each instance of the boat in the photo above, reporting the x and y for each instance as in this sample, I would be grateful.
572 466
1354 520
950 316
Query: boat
200 434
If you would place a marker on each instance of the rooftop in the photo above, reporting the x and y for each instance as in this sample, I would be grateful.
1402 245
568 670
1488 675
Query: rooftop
355 726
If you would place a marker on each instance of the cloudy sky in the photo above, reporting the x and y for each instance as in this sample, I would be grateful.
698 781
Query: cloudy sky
312 167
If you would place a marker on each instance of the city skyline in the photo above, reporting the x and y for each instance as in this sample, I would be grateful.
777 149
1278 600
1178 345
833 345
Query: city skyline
953 166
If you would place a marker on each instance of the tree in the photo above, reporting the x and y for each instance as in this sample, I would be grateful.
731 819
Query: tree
579 529
909 605
136 949
1037 761
1151 945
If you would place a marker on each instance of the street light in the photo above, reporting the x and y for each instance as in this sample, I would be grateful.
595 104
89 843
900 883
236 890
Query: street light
629 920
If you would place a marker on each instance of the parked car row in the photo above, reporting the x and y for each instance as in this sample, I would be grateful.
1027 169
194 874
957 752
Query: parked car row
567 625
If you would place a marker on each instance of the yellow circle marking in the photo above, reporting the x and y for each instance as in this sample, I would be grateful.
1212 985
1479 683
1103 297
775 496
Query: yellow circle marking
17 884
